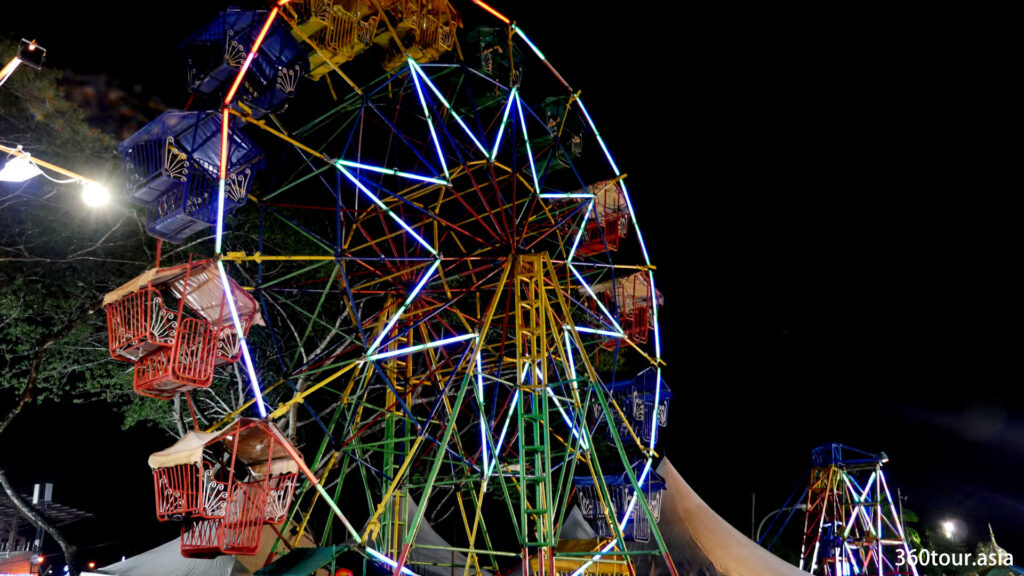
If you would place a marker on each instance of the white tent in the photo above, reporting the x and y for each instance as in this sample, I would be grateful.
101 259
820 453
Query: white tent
425 556
702 543
166 560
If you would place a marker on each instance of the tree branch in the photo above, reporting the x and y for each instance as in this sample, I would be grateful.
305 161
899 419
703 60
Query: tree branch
28 392
37 517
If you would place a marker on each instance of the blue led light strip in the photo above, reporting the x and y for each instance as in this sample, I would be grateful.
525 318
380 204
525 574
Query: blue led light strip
560 196
389 561
622 184
526 138
430 122
596 299
583 227
622 523
444 101
401 310
636 227
220 216
572 427
257 394
609 333
483 418
504 429
222 177
417 348
382 206
532 46
654 310
391 171
504 120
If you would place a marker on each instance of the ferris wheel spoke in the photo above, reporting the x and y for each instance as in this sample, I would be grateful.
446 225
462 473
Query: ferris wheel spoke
406 199
488 210
447 105
402 137
387 210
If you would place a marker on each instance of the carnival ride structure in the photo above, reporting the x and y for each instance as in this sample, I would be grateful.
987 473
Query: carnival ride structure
453 294
851 525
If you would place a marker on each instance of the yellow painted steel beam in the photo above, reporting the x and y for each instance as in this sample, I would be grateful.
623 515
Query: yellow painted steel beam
300 397
263 126
316 496
258 257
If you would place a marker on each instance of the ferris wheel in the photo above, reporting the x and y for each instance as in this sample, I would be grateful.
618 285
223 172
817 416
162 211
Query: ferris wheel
433 280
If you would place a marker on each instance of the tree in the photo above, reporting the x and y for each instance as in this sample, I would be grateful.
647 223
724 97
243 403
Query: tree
56 260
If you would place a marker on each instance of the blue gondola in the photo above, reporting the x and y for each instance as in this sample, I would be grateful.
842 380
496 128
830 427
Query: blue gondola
619 490
172 167
636 398
217 51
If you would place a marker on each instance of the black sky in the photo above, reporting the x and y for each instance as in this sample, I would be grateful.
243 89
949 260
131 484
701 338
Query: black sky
824 278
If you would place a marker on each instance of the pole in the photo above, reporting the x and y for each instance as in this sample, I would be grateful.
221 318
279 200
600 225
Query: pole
757 537
753 514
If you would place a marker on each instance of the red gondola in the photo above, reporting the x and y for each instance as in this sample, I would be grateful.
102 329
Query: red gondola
226 485
175 347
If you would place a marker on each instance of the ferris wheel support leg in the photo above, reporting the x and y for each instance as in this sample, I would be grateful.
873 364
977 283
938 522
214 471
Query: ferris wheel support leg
593 463
435 467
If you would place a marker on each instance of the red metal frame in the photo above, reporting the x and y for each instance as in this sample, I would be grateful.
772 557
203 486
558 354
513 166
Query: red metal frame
173 351
226 514
609 225
186 365
130 325
280 489
633 298
179 491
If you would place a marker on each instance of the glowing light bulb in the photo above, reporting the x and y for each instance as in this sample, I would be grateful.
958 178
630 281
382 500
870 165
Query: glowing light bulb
95 194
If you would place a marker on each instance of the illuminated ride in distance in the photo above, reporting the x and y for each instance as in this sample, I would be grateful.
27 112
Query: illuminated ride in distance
851 525
460 314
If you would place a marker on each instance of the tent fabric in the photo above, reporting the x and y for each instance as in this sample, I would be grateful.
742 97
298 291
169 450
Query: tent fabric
575 527
166 560
204 292
188 450
422 560
701 542
253 448
157 276
255 439
277 467
302 561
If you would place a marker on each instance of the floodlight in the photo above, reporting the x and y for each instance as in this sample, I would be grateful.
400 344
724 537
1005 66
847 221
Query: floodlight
19 169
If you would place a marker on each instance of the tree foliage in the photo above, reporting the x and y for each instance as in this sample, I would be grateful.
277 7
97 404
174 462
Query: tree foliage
58 258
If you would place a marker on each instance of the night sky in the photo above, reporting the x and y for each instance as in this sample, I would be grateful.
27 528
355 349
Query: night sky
825 279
